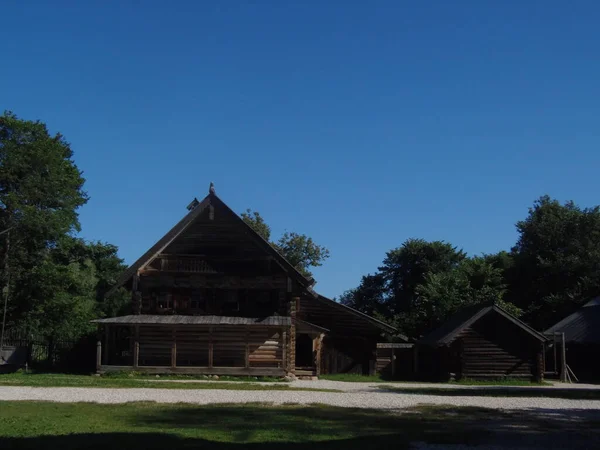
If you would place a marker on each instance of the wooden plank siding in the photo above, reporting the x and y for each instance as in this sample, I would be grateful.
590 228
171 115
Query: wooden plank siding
211 347
395 361
495 348
483 358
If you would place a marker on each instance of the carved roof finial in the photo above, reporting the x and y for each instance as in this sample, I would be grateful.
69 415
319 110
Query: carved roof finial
193 204
211 189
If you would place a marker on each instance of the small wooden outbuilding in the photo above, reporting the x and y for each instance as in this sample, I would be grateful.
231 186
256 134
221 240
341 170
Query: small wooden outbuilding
582 338
481 342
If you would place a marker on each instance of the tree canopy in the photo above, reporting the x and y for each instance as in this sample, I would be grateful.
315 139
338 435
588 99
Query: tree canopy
552 269
299 249
57 282
54 281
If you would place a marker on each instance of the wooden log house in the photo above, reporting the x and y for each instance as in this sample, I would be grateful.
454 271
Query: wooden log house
213 297
581 333
481 342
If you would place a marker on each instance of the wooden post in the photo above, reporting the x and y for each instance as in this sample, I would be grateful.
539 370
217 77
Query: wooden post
98 355
563 363
319 352
174 348
555 355
106 340
539 376
210 348
283 350
136 346
415 360
393 362
247 358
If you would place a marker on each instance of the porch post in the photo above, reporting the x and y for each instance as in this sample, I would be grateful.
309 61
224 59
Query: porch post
415 360
284 348
319 350
107 331
247 359
210 348
563 357
174 348
136 346
98 355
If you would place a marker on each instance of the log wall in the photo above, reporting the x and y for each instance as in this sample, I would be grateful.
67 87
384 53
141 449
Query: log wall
495 348
211 347
395 361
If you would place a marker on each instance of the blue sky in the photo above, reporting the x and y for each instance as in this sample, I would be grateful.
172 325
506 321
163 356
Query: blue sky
361 124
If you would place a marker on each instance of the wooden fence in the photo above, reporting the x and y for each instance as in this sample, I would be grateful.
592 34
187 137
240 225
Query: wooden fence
52 354
395 360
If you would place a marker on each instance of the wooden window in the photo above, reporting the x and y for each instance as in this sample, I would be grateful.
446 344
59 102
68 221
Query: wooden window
264 303
231 301
198 301
165 300
182 302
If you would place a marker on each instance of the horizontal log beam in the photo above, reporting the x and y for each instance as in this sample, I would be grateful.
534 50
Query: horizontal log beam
254 371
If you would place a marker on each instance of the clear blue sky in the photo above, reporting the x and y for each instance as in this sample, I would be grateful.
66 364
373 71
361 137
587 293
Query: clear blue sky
361 124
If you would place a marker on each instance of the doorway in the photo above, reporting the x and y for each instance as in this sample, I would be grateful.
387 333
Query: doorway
304 351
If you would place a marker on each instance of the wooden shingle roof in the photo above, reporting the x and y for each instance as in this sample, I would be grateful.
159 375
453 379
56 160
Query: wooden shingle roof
175 319
449 330
583 326
196 208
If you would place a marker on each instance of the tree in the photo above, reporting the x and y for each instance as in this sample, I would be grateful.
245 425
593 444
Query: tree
41 189
556 260
368 297
406 267
257 223
300 250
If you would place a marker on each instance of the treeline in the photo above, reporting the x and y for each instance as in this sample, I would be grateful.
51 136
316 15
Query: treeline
552 269
53 282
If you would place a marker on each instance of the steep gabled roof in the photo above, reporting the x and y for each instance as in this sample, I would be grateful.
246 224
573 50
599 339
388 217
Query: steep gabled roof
378 323
583 326
449 330
196 208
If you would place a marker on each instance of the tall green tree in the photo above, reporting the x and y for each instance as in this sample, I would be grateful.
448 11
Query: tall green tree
41 190
258 224
406 267
299 249
369 297
556 260
473 282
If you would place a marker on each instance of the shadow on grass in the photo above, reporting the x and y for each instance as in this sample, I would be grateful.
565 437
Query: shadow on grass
165 441
491 391
151 426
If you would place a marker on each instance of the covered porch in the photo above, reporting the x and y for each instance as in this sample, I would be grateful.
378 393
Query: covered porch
216 345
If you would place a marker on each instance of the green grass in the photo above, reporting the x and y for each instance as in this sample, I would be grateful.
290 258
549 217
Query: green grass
499 382
137 426
142 375
353 378
63 380
516 391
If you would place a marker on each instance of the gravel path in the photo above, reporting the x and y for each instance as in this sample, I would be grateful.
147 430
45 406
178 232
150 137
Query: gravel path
354 399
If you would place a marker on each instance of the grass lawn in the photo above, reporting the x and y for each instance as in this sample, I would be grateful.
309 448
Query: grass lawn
64 380
153 426
500 391
499 382
355 378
